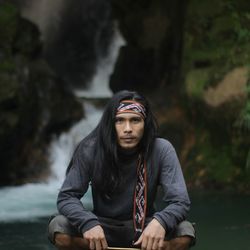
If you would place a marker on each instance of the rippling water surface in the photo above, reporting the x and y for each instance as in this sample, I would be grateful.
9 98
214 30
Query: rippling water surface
222 223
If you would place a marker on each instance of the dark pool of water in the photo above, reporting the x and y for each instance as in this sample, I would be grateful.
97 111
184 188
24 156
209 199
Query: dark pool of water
30 235
222 223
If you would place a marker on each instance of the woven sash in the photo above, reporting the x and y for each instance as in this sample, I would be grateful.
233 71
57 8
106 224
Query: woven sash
140 198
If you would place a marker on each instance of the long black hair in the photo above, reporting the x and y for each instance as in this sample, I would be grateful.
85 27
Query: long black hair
106 172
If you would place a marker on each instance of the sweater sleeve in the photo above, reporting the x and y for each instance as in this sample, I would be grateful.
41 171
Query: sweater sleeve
75 185
174 190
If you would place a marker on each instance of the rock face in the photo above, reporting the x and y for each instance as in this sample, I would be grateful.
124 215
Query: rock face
216 59
75 34
154 32
231 88
33 101
191 58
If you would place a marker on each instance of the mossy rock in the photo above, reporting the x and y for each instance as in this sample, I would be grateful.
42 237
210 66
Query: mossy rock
33 101
196 82
8 87
217 36
210 162
8 25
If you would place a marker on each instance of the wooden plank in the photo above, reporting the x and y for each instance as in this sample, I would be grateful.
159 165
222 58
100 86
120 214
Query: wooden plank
123 248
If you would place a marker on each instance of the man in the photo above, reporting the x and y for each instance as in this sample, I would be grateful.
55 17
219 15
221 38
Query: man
124 162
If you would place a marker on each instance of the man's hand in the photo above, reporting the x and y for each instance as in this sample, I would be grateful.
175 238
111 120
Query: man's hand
96 238
152 237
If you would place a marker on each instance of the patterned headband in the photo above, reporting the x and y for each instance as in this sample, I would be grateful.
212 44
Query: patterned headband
130 106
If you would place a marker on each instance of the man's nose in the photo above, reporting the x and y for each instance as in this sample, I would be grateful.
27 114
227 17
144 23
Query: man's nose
127 127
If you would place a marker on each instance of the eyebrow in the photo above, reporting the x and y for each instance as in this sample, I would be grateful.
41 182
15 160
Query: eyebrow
132 116
129 118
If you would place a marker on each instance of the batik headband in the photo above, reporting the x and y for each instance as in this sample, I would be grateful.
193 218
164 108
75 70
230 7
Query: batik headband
130 106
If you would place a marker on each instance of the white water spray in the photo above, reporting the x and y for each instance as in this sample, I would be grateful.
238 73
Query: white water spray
99 86
34 200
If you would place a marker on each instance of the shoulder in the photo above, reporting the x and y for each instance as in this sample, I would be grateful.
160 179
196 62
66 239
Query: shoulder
164 153
85 148
162 148
87 143
162 145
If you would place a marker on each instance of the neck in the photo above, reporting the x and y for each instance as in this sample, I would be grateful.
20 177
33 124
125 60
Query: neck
128 154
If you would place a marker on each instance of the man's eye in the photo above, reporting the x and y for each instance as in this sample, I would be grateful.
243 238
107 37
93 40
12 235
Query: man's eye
135 120
118 120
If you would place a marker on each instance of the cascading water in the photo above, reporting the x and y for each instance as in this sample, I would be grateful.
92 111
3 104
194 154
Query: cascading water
34 200
99 83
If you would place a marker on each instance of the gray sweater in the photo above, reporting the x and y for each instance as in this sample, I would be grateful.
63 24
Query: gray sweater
163 169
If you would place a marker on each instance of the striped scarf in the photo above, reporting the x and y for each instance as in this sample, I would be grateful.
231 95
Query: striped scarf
140 198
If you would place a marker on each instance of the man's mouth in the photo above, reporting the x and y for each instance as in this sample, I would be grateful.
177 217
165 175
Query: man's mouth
128 138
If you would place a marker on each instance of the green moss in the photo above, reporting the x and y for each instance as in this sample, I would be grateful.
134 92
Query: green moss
243 120
196 81
217 37
204 8
218 163
217 40
7 66
241 157
217 159
9 88
8 24
211 162
10 119
248 165
214 162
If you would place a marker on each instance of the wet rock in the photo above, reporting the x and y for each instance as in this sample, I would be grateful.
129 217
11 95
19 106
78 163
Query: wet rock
153 31
76 35
34 104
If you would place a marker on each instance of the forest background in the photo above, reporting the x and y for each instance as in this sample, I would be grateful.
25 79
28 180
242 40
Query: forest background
190 58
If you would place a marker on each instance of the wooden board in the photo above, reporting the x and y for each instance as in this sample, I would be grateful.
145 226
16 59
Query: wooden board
123 248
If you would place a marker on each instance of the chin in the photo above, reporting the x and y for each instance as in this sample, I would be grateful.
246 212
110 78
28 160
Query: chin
131 146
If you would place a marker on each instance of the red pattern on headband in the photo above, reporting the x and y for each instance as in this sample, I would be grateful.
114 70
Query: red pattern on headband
130 106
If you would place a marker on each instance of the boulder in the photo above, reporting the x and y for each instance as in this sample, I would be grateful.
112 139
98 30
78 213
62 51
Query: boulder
34 105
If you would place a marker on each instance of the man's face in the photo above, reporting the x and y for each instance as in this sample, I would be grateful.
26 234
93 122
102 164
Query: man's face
129 129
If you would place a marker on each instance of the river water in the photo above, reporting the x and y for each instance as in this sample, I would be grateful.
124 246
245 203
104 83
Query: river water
222 223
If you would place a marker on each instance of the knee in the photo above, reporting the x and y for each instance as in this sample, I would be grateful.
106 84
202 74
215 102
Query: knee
180 243
184 240
63 240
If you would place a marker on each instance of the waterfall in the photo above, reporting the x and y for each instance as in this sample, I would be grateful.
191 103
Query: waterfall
99 84
45 14
34 200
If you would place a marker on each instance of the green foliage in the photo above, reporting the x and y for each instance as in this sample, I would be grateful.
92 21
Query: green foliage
243 121
248 164
196 82
7 65
221 168
217 38
242 124
210 162
241 20
8 25
218 163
